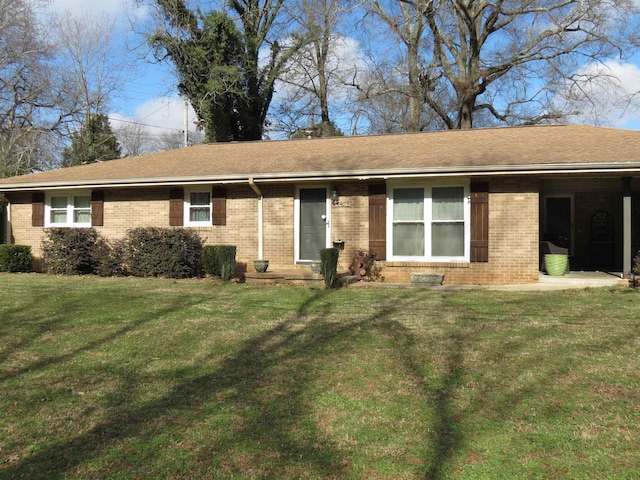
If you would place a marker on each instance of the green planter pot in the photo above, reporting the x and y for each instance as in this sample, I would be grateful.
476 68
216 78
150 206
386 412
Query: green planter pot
556 264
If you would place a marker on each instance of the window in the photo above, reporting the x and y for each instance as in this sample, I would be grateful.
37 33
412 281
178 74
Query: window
68 210
198 211
429 223
82 209
408 222
58 211
447 222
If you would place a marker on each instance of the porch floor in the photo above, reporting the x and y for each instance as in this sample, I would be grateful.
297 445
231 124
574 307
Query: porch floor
583 279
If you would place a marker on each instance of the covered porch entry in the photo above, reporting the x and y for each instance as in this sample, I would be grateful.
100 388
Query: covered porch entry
597 219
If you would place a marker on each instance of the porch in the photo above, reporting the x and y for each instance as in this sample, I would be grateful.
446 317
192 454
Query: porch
597 219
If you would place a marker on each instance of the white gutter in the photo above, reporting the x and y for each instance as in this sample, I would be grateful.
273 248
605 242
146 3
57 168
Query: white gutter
258 192
581 168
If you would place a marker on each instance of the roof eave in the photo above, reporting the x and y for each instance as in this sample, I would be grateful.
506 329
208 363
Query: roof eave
494 170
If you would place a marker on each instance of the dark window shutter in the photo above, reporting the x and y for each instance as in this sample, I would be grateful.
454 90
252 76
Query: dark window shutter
97 208
378 220
480 222
219 204
37 209
176 207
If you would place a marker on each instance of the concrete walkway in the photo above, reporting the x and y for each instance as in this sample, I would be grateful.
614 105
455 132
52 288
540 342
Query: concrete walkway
572 280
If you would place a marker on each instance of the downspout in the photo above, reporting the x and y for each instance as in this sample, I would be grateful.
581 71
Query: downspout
258 192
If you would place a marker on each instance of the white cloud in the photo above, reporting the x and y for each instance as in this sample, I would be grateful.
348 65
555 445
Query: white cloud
165 113
112 7
609 94
158 116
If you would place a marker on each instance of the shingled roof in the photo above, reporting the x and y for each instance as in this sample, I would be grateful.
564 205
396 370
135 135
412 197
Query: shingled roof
552 148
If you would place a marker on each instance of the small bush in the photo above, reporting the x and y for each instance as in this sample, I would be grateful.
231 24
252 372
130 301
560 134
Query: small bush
227 256
635 271
70 251
219 261
15 258
329 259
211 260
163 252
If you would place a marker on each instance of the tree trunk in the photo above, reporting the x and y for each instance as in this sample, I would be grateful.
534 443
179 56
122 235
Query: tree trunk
415 88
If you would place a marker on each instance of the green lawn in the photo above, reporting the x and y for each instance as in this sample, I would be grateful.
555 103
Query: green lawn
136 378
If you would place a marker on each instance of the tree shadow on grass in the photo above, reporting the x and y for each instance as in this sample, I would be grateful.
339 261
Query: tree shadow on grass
58 321
264 382
262 388
264 385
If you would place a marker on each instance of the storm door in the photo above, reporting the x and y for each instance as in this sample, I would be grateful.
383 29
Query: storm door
313 223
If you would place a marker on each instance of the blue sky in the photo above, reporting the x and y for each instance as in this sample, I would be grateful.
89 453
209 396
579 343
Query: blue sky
150 97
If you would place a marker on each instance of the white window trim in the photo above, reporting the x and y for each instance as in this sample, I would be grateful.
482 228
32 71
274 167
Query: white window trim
187 206
428 185
70 194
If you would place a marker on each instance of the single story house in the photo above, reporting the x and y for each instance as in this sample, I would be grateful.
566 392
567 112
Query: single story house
473 205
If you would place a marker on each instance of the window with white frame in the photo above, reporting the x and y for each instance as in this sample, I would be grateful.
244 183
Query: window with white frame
429 223
68 210
198 207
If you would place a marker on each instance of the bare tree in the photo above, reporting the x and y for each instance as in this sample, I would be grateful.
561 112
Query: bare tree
134 138
481 62
314 72
169 140
90 71
29 113
407 22
512 58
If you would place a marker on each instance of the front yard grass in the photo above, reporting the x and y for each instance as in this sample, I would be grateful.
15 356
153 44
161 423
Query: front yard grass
153 378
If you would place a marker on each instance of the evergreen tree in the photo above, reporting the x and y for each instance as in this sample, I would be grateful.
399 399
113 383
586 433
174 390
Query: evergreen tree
219 63
94 142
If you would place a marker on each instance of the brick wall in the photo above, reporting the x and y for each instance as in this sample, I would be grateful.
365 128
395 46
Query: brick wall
350 221
513 242
513 228
21 231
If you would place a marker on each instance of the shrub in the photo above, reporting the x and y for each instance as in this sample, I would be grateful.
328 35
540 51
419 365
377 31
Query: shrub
329 259
110 258
635 271
219 260
227 258
211 260
163 252
70 251
15 258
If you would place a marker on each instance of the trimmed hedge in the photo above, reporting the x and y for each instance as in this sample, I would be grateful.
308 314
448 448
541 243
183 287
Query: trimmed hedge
15 258
211 260
329 259
163 252
70 251
219 261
